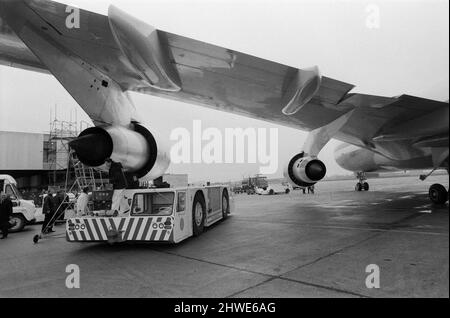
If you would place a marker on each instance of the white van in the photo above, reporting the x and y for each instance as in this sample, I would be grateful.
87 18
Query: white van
23 210
273 188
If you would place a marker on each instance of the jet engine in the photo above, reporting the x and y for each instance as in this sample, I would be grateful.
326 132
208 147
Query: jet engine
304 171
135 147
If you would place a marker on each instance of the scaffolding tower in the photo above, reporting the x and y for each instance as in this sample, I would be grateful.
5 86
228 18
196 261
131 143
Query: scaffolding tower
65 167
61 133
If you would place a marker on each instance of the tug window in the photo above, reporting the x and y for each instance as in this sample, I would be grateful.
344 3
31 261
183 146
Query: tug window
153 203
181 202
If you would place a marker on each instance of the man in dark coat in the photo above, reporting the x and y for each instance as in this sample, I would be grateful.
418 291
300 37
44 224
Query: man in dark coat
116 175
61 201
6 211
48 209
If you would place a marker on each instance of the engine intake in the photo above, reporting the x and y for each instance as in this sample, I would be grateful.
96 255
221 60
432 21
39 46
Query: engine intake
136 149
305 171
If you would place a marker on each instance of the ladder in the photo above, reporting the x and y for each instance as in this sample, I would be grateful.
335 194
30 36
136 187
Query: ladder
85 176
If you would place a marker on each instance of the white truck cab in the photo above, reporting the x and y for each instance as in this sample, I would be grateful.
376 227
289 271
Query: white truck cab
23 210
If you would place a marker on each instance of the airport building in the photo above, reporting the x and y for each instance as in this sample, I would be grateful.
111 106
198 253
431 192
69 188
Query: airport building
33 159
37 160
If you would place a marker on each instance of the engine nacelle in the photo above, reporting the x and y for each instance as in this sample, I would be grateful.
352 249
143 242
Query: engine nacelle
304 171
136 148
354 158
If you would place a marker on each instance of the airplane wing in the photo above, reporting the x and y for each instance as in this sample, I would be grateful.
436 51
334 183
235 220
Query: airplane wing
140 59
14 53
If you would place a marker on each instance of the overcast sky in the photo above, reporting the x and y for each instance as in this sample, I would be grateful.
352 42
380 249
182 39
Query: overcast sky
407 53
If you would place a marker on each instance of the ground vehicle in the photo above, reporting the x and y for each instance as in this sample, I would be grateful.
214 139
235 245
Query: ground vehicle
273 188
151 215
249 185
238 190
23 210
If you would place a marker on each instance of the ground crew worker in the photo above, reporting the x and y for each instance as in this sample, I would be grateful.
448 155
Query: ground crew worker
61 203
48 209
82 202
116 175
6 211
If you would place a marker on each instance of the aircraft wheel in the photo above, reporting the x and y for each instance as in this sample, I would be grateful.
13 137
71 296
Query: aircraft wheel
366 186
358 187
438 194
287 191
19 223
198 214
36 238
271 192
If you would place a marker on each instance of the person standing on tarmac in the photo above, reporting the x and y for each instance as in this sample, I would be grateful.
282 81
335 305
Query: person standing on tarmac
6 211
60 202
48 209
116 175
82 202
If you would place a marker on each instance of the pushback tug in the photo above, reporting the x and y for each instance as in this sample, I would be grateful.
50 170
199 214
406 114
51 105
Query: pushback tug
151 215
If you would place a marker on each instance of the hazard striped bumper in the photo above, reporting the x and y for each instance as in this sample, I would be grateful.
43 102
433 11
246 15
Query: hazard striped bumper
120 229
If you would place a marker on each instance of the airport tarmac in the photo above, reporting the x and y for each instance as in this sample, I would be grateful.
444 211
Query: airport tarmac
272 246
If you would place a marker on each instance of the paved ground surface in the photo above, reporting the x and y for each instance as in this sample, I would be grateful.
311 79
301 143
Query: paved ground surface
273 246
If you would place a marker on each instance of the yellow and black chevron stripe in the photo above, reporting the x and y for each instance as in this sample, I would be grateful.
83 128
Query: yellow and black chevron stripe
101 229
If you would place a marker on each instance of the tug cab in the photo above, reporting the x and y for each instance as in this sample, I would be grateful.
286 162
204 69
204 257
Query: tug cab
153 215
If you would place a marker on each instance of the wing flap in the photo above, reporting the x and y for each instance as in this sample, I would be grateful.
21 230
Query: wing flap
227 67
220 53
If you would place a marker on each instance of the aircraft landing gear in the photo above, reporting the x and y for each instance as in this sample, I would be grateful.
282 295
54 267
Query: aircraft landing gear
438 194
362 184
